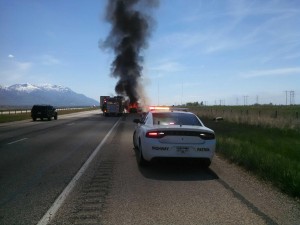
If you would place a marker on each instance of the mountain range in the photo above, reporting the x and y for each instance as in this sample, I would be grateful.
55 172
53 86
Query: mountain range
30 94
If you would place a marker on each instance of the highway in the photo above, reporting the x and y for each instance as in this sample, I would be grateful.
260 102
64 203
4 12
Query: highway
39 160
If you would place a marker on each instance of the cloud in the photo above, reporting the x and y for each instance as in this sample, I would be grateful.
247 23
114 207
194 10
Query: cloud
23 66
15 72
167 67
221 45
292 56
50 60
272 23
274 72
11 56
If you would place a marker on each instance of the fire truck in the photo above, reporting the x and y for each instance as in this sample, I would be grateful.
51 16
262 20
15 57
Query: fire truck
133 107
112 106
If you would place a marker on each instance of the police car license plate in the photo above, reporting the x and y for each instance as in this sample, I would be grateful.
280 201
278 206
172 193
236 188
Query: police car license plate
182 149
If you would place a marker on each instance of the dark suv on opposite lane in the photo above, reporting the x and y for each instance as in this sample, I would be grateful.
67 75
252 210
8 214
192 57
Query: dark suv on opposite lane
43 111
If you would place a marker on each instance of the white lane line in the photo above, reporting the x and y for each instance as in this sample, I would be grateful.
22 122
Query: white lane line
62 197
10 143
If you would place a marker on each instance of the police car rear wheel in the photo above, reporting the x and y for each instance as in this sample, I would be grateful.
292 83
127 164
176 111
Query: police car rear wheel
205 163
134 145
141 161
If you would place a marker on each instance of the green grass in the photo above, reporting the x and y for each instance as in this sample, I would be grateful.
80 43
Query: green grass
271 153
14 117
25 116
263 115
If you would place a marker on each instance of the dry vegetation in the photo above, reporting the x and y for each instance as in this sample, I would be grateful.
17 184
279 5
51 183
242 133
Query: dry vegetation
283 117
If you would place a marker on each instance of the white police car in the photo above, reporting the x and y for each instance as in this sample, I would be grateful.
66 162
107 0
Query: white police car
164 132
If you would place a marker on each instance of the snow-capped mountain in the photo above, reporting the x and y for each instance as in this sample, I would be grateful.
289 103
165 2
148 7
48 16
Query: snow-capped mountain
30 88
30 94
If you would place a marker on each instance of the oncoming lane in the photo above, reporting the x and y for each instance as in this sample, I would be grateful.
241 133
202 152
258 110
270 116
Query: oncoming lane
37 164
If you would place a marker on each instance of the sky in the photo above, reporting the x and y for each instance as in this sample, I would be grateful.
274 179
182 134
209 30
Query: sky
224 52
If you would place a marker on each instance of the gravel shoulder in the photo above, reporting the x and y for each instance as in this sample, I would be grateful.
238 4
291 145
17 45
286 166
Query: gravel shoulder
259 195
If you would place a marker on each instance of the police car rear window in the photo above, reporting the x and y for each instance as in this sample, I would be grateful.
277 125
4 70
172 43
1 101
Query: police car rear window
175 119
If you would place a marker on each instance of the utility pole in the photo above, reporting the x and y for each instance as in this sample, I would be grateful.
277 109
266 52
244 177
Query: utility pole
245 99
292 97
286 97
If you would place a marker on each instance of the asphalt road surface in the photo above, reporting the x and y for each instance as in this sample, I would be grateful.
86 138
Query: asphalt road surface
38 160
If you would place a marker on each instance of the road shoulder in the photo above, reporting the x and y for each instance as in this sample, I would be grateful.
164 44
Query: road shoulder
258 194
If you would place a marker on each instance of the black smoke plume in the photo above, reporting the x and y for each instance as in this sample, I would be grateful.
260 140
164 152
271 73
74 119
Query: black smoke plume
131 25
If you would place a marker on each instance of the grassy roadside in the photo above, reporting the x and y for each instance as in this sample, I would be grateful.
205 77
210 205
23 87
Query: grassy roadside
282 117
25 116
271 153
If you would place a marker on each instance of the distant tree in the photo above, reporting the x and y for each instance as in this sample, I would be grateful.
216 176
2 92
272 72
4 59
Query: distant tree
192 104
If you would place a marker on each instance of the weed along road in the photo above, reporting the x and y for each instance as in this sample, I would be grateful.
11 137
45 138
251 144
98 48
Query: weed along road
82 169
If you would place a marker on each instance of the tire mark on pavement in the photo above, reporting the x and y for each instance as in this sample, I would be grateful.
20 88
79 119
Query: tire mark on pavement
255 210
93 195
46 219
88 201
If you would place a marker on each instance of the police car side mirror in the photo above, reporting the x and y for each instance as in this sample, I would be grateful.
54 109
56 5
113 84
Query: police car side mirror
136 121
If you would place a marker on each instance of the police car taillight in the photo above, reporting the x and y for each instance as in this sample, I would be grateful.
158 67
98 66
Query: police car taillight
155 134
207 136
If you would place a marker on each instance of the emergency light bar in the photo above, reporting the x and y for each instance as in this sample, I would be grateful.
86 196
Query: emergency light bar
165 108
